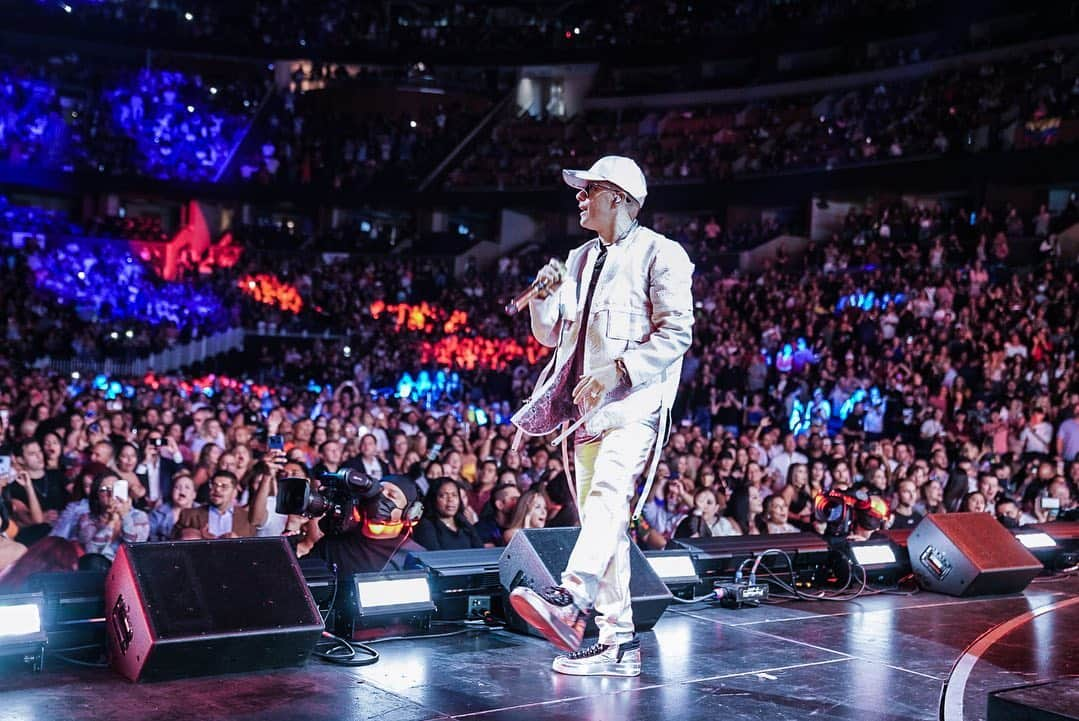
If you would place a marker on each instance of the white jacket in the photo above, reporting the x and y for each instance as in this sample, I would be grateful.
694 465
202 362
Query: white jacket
641 312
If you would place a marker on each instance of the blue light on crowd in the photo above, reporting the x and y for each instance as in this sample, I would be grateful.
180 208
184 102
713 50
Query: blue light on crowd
869 301
427 388
93 275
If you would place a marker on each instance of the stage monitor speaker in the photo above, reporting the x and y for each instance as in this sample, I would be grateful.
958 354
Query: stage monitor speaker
969 554
198 608
536 557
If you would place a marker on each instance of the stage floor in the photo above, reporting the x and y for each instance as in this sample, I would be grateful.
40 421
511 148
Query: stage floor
880 657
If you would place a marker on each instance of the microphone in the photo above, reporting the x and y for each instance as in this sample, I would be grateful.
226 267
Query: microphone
519 303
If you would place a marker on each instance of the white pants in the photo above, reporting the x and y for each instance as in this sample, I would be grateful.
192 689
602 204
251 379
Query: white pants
598 570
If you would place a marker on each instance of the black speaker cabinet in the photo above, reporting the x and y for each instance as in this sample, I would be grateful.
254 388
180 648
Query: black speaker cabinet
537 557
969 554
198 608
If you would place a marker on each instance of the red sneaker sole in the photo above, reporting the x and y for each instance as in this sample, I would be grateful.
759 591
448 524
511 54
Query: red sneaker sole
537 619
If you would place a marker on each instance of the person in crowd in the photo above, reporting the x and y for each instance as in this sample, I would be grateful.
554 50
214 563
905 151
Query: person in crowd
904 514
797 495
369 461
973 502
221 518
504 500
110 520
711 507
165 515
774 518
745 508
49 485
561 506
530 512
379 541
262 482
667 507
443 527
67 524
1007 512
161 459
126 464
479 494
932 498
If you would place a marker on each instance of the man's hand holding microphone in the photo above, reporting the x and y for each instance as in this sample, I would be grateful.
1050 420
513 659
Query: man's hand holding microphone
545 284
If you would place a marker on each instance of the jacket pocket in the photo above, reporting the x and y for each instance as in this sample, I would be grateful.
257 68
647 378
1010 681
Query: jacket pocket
623 325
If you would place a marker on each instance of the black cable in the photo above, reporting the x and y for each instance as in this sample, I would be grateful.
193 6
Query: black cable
823 596
696 599
331 655
340 651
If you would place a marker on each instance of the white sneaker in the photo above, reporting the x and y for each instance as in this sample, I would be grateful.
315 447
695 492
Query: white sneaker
602 660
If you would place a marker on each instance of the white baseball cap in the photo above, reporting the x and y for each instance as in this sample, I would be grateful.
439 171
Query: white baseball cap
613 169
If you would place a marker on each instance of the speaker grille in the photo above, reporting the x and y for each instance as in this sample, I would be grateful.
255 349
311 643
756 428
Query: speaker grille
196 587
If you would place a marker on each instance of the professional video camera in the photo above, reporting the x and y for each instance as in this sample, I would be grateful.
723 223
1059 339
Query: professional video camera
340 494
839 510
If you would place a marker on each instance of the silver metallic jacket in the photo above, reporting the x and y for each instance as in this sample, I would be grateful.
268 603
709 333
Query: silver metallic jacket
641 312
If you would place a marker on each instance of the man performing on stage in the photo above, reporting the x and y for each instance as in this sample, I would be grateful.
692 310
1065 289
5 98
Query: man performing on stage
620 315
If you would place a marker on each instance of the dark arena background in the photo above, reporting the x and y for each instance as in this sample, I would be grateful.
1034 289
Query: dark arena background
257 367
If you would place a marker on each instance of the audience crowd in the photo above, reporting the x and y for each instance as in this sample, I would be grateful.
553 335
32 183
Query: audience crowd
71 113
910 356
1019 103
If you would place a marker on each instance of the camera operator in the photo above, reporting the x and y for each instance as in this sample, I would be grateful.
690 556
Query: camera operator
379 540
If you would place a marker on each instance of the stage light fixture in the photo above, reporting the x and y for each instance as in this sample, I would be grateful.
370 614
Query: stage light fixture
873 555
22 637
884 562
1036 540
390 603
1055 544
676 570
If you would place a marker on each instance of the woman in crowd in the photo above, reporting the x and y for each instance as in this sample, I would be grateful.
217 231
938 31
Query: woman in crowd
973 502
797 493
531 512
110 520
165 515
710 507
444 526
127 460
209 455
451 465
397 458
53 449
932 498
745 507
775 517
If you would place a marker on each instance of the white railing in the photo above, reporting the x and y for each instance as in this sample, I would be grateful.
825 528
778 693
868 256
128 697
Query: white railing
164 361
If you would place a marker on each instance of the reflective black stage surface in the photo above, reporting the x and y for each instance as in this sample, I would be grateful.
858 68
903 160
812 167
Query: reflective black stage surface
880 657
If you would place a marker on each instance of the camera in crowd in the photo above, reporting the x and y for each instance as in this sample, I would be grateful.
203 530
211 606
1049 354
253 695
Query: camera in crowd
841 510
339 495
